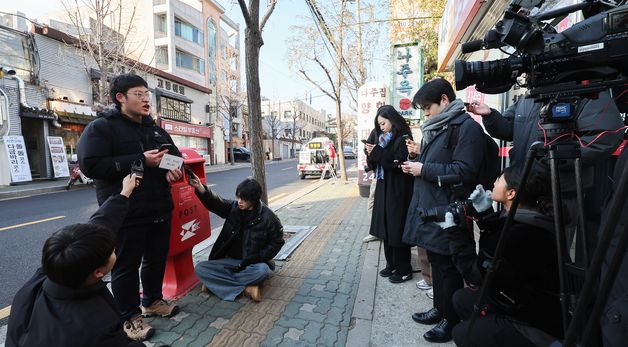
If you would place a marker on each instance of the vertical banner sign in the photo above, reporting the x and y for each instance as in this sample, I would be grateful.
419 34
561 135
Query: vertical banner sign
407 78
18 160
371 96
59 159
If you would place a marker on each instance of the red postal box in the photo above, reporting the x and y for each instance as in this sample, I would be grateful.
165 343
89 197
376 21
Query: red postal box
190 226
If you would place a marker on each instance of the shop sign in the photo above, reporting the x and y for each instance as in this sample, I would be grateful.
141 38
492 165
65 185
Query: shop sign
167 85
185 129
407 77
371 96
57 154
18 160
456 18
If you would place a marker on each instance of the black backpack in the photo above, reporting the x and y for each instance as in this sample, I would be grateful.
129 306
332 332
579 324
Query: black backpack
491 163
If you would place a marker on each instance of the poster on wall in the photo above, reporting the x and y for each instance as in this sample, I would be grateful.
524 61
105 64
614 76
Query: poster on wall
18 160
371 96
407 78
59 159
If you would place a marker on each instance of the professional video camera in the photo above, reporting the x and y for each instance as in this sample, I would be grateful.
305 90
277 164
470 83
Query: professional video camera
589 57
458 208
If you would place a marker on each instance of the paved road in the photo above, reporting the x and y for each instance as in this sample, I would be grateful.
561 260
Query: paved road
20 248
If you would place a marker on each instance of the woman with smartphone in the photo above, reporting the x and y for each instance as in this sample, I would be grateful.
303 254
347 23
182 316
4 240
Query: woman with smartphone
393 191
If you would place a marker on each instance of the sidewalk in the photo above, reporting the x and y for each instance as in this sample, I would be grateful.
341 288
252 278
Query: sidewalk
327 293
54 185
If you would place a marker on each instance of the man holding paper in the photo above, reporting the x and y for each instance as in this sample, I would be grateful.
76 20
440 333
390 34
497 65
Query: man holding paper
122 140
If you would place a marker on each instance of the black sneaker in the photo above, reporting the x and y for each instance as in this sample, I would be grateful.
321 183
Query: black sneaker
386 272
398 278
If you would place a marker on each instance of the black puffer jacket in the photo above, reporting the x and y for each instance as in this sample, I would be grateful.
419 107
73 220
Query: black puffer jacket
45 313
106 150
261 235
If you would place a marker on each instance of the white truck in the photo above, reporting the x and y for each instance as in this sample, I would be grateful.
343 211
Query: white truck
317 156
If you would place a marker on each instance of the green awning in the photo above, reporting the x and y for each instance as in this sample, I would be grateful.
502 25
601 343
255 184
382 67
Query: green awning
75 118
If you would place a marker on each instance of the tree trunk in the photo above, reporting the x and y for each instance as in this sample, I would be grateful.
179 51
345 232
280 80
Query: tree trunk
339 149
252 41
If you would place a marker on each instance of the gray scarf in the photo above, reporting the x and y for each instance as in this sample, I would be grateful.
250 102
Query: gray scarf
434 124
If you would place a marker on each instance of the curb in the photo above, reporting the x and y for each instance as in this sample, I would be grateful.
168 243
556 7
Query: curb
364 306
39 191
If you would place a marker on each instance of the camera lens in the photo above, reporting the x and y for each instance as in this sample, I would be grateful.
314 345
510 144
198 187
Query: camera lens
492 77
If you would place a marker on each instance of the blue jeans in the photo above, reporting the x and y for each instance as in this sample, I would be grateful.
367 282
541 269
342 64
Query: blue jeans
225 283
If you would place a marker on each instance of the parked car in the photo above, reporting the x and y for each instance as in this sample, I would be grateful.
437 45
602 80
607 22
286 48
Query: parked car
239 154
349 152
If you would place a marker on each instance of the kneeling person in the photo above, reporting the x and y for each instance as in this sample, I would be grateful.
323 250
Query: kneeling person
251 236
66 302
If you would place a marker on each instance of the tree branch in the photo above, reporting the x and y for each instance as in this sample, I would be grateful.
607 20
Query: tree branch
269 11
317 85
328 74
245 13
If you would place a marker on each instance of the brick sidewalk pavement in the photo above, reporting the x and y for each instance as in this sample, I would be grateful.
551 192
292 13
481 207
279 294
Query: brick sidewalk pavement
309 300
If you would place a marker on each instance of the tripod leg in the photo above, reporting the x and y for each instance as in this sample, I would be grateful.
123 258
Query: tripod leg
588 291
581 227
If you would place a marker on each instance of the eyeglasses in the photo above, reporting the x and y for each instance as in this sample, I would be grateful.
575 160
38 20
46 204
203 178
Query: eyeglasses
141 96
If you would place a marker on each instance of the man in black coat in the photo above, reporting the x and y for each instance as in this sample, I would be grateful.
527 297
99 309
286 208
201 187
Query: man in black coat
252 235
109 146
66 303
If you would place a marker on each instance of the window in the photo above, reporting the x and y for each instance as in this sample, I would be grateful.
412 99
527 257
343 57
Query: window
161 25
161 55
175 109
188 61
188 32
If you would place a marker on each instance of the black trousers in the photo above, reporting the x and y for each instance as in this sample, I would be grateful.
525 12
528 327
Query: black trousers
145 244
445 281
398 258
491 330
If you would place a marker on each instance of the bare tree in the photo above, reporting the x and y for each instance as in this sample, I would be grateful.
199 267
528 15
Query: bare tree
296 126
253 42
274 126
311 44
103 28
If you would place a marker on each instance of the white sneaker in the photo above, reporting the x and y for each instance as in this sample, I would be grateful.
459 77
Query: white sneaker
423 285
430 293
370 238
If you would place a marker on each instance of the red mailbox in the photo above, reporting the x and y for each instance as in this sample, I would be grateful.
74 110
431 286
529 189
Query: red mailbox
190 226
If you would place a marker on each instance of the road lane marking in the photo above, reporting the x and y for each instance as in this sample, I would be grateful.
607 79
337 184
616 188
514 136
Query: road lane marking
276 197
31 223
5 312
288 168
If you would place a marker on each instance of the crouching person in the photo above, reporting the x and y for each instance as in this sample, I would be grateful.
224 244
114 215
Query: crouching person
66 303
250 238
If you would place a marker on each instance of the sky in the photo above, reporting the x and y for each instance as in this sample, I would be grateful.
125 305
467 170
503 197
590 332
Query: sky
277 81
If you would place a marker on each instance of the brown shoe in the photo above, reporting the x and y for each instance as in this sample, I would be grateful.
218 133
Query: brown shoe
138 330
204 289
160 308
253 292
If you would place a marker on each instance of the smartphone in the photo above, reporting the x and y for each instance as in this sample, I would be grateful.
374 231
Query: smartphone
396 164
363 141
137 168
406 137
188 172
466 105
165 146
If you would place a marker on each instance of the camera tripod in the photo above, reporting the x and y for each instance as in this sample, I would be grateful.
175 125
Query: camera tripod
571 276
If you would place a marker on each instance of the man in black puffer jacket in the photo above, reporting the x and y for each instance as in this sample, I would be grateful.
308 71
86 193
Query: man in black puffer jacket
107 149
252 235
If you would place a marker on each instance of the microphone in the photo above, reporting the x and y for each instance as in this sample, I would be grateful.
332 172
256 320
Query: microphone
472 46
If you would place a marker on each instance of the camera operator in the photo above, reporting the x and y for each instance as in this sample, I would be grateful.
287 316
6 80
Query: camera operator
519 124
442 112
523 304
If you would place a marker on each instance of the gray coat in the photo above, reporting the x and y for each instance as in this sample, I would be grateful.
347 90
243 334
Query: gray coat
464 160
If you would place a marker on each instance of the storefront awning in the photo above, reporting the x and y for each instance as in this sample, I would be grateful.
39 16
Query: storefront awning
75 118
172 95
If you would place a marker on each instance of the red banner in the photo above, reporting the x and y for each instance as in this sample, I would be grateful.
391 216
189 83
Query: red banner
178 128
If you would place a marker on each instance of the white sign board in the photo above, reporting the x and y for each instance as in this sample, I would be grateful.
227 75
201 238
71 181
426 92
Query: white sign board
18 160
371 96
170 162
304 156
406 79
57 154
